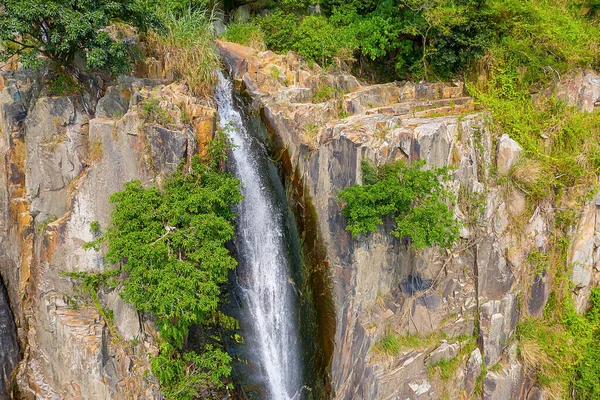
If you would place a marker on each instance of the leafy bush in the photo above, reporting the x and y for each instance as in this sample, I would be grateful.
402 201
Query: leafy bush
60 30
316 39
247 34
414 197
171 244
279 28
313 36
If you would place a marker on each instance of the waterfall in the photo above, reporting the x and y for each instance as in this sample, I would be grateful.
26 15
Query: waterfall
264 268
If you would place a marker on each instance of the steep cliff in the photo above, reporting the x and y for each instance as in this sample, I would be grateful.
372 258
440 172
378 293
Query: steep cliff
461 307
61 158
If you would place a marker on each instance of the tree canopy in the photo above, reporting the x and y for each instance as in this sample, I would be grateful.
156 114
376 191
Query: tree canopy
62 29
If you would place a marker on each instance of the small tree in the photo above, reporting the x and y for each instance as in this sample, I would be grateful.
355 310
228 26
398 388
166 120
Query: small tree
415 198
61 29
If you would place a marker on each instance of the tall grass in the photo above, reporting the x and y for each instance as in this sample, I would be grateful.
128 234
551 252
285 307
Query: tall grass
187 47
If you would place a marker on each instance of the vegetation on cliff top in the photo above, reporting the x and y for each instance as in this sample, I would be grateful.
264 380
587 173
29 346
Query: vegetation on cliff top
62 29
110 36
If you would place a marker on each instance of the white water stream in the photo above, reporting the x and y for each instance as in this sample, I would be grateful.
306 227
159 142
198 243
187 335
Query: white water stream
264 264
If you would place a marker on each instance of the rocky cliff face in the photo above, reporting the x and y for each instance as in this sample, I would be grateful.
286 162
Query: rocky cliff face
61 158
483 285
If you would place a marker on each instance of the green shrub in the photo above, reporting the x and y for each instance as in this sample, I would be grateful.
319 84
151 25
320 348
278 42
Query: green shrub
60 30
324 93
414 197
171 245
279 28
180 7
563 347
318 40
247 34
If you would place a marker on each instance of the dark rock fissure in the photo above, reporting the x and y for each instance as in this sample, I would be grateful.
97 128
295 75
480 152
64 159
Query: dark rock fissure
9 346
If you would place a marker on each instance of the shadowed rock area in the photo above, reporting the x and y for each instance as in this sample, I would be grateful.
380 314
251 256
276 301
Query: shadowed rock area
9 347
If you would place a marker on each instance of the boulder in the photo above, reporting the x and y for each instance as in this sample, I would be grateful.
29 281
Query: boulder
508 154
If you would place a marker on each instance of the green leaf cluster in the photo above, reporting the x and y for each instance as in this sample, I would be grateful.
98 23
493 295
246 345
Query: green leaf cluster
170 247
62 29
567 347
434 38
413 196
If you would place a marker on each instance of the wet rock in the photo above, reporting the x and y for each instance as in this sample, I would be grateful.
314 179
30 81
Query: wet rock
413 284
508 154
538 296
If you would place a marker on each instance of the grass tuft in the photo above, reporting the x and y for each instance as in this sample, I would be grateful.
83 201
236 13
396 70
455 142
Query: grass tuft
188 50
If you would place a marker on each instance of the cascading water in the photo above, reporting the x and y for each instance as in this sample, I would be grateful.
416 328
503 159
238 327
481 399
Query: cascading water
264 267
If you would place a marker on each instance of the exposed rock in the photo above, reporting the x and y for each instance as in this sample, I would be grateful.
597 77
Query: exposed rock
508 154
505 384
58 168
115 102
498 319
474 365
378 282
444 352
581 90
582 255
388 124
9 347
538 296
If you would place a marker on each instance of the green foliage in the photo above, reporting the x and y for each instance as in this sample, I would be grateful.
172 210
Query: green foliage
414 197
312 36
436 38
393 343
186 45
63 84
94 227
60 30
180 7
42 226
153 113
90 284
247 34
566 347
446 369
317 40
324 93
171 246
